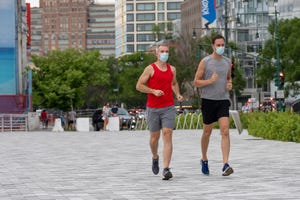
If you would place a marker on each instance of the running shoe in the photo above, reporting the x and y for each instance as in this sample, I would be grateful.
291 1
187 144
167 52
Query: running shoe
227 170
167 174
155 166
205 169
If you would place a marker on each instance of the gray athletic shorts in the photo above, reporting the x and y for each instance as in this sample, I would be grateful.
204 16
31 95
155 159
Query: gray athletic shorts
158 118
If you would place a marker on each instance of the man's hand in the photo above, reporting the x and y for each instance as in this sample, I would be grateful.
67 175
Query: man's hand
179 98
158 93
229 86
214 77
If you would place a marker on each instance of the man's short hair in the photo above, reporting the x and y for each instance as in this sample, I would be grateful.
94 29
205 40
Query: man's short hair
161 43
217 37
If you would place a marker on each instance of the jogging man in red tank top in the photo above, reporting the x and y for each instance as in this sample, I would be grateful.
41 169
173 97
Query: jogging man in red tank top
159 82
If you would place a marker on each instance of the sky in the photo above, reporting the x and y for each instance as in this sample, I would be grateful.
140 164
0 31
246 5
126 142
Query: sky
35 3
7 20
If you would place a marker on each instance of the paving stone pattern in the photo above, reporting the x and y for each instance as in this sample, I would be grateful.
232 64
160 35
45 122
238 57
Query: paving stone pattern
117 165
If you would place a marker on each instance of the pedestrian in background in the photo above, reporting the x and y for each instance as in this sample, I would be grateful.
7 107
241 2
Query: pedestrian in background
71 120
106 113
114 110
44 119
213 76
159 82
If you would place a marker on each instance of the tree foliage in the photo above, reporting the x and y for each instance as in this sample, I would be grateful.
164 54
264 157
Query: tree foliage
289 45
69 78
130 67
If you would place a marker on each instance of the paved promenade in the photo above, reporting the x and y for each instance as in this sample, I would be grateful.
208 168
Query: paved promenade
117 165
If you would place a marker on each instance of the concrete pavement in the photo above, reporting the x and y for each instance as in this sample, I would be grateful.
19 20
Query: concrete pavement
117 165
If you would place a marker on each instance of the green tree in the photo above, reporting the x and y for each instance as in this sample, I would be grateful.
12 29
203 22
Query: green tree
289 44
68 79
130 68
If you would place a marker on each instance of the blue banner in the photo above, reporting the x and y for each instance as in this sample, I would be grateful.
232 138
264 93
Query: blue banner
209 10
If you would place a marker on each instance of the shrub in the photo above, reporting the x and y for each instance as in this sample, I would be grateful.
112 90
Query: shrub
283 126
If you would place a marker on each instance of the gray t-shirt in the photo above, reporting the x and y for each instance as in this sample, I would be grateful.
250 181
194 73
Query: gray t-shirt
217 90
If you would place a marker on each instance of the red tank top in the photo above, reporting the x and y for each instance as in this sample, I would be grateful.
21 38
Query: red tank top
161 80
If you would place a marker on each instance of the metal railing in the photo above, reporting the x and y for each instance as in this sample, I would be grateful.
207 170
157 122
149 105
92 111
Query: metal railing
13 122
182 121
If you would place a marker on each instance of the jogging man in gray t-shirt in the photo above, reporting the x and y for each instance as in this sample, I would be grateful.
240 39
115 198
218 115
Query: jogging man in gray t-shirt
213 76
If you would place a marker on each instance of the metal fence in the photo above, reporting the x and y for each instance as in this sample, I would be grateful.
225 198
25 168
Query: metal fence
182 121
13 122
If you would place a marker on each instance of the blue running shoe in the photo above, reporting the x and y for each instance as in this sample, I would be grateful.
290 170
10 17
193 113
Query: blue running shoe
204 165
155 166
227 170
167 174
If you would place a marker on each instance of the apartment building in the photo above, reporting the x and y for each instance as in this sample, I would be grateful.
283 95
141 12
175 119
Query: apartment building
135 20
81 24
64 24
101 29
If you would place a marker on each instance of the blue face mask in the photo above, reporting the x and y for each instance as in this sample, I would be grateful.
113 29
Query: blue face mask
220 50
164 57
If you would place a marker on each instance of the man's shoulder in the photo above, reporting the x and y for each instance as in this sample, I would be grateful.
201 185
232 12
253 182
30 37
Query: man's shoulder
226 58
208 57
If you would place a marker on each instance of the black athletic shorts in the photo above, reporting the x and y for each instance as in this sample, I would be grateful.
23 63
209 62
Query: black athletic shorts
212 110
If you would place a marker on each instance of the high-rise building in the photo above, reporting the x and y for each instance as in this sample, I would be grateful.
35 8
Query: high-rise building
101 29
82 24
36 31
140 23
64 24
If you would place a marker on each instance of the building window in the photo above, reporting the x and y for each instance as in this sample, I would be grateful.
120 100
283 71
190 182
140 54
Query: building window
243 35
145 17
144 27
130 48
129 17
145 37
173 6
173 16
161 16
145 6
161 6
142 47
129 7
130 28
130 37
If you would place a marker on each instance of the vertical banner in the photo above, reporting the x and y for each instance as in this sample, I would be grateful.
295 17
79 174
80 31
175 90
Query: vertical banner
28 19
8 51
208 12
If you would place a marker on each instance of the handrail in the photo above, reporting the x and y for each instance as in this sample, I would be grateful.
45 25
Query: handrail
13 122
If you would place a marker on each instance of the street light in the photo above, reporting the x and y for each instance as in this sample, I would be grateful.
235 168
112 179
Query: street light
279 70
194 36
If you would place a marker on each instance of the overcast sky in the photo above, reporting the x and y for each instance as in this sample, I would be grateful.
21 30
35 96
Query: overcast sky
35 3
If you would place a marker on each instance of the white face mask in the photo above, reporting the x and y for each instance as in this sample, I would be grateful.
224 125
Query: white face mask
220 50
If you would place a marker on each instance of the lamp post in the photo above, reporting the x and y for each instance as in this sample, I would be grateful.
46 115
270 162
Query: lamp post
279 77
279 70
194 36
226 22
